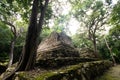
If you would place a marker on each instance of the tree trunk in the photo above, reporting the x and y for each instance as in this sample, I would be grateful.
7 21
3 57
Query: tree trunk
32 58
93 40
28 56
114 62
15 35
11 53
30 49
95 47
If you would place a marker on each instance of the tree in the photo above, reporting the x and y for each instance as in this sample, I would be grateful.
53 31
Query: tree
5 38
28 56
92 16
115 20
114 41
113 38
114 33
80 40
9 18
114 62
29 51
12 45
16 33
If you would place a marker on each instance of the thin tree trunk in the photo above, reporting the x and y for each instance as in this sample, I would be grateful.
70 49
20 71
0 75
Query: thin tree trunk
95 48
114 62
11 53
14 32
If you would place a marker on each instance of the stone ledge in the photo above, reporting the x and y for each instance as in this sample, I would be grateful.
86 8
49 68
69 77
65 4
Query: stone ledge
81 71
60 62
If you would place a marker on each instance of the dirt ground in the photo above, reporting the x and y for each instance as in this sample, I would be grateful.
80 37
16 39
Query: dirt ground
112 74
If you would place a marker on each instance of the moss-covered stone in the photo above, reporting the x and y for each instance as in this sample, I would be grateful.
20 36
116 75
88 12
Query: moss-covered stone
84 71
81 71
60 62
20 76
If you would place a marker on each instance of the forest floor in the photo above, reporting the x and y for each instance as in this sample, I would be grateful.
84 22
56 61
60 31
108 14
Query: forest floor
112 74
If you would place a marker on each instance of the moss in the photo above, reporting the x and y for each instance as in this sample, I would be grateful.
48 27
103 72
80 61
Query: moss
20 76
45 75
58 73
78 72
87 70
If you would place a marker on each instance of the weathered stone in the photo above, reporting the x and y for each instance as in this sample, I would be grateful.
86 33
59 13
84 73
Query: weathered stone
76 72
60 62
56 45
86 53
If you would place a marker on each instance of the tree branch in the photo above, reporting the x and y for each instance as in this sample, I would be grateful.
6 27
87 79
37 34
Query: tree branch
13 28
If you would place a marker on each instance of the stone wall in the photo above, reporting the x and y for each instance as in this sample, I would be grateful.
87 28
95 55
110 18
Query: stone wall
81 71
60 62
87 71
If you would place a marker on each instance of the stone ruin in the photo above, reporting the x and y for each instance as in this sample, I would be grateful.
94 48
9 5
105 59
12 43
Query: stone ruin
86 53
56 45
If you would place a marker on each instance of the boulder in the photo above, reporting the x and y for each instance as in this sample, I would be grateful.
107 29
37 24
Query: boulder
56 45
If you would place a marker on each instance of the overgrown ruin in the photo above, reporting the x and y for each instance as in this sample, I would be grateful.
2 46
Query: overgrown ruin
56 45
57 59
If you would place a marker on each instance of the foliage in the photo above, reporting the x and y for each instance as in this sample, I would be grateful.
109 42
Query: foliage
113 39
16 13
45 32
103 50
93 16
80 41
5 38
115 15
60 23
12 14
12 8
